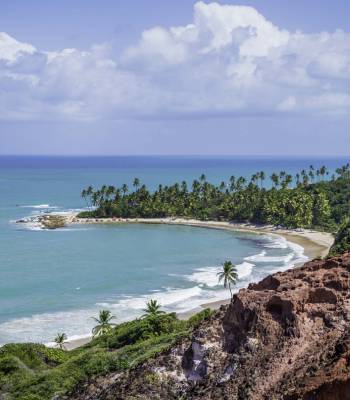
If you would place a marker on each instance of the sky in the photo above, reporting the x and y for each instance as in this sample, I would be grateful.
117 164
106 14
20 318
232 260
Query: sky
254 77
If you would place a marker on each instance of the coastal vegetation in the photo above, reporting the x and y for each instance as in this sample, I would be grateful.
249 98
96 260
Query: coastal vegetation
31 371
60 340
152 310
311 198
342 240
229 275
104 324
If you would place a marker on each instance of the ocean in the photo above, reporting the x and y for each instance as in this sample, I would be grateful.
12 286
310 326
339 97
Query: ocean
56 281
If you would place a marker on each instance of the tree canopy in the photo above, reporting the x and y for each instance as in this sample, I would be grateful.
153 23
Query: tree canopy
311 198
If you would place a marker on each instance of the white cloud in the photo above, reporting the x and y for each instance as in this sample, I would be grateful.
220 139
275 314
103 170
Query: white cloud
11 49
228 60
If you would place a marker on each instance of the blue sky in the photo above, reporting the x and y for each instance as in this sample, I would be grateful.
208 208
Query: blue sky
166 77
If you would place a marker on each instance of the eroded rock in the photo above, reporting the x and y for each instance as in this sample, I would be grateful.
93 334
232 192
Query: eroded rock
286 337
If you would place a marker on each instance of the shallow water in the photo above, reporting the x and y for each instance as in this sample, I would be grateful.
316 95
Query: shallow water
54 281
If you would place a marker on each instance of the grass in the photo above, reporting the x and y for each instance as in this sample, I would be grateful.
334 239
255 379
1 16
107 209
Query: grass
34 372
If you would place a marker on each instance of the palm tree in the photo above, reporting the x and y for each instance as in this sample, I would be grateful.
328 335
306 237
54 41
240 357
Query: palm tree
232 183
275 179
311 175
229 275
136 183
287 181
195 186
262 177
104 323
125 188
60 340
152 310
202 178
110 191
323 171
254 178
240 182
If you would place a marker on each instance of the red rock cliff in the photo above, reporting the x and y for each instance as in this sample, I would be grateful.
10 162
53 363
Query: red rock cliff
287 337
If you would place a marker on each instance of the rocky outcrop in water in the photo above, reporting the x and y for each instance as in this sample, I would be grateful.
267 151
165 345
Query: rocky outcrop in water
46 221
286 337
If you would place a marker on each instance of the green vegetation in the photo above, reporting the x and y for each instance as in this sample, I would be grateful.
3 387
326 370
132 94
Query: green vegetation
60 340
229 275
104 323
152 309
309 199
342 240
35 372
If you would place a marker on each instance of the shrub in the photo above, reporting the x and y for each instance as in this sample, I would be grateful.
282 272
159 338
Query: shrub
142 329
198 318
34 372
342 240
9 364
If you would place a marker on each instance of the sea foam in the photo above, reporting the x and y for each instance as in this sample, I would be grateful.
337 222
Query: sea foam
39 206
78 323
208 276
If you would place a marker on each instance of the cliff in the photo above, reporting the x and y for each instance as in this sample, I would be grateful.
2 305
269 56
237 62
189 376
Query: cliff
287 337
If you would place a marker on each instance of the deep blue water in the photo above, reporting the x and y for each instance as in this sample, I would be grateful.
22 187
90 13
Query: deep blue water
54 281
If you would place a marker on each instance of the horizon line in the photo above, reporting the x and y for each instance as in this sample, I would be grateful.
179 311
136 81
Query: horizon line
176 155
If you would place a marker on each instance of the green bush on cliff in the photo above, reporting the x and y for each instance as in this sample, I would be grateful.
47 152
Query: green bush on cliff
34 372
134 331
342 240
198 318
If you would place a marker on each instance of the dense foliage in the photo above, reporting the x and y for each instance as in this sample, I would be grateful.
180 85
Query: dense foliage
35 372
342 240
309 199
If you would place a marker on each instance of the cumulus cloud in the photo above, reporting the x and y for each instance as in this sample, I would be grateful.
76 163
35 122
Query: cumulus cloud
230 60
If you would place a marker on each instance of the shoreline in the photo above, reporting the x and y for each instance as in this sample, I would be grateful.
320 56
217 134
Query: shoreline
315 244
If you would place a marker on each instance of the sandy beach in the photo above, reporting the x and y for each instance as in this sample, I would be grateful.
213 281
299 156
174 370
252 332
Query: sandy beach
315 244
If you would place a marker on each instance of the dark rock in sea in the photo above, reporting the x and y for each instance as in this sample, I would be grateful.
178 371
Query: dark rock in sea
286 337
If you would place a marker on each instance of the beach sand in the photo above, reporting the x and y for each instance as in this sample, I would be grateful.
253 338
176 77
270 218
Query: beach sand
316 244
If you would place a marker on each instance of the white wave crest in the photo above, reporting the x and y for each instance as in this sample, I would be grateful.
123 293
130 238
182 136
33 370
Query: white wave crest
205 276
263 258
170 298
244 270
39 206
44 327
209 275
298 250
276 242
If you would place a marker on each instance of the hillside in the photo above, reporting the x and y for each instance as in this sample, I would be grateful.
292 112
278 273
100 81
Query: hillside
287 337
342 240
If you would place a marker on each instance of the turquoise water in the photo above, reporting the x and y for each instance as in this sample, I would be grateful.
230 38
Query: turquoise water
54 281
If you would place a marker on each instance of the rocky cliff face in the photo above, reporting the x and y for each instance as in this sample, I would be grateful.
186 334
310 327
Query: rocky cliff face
287 337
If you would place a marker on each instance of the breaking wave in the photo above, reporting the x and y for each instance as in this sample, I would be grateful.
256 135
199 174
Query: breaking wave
277 254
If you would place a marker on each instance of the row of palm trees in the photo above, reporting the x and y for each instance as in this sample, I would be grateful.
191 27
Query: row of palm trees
279 180
228 276
294 202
